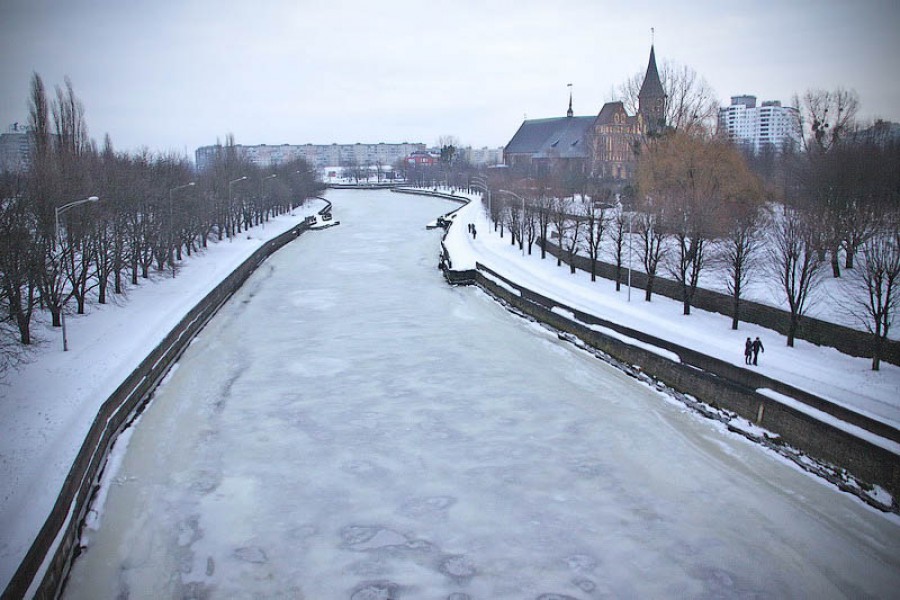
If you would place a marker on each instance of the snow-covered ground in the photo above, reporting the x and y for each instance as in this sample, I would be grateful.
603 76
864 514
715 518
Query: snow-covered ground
47 406
355 428
843 379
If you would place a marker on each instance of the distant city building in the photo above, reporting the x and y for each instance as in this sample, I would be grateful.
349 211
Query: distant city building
423 158
318 155
882 133
758 127
15 149
601 145
482 156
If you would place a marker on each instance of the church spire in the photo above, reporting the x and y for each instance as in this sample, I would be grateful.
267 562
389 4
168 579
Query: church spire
652 97
652 86
569 112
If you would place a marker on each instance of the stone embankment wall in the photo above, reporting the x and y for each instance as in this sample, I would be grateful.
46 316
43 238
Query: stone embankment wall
46 565
845 339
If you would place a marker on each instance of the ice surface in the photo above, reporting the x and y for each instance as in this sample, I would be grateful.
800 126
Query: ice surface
349 426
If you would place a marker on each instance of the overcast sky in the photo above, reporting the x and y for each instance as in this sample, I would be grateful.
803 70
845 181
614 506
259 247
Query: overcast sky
172 76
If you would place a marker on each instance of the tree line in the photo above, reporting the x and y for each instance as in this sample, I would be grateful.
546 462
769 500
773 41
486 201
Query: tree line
83 222
700 203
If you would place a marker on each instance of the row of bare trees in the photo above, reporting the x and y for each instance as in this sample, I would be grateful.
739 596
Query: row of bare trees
61 244
698 205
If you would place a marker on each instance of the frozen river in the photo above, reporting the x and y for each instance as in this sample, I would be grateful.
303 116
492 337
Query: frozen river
351 427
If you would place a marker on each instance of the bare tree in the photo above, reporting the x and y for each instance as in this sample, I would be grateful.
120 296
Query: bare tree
795 263
875 294
652 249
620 230
574 231
560 210
698 185
596 222
827 117
740 249
19 251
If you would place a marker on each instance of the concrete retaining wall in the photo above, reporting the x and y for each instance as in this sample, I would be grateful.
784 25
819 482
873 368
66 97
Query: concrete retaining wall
47 563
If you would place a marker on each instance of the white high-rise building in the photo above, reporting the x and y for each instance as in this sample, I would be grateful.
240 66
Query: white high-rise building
759 127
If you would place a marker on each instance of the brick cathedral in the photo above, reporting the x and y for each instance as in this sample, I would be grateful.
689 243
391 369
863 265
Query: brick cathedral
601 146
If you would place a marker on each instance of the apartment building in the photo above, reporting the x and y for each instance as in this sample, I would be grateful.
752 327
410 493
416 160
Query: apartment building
758 127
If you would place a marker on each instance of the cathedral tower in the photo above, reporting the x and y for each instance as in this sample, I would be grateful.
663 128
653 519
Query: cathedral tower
652 98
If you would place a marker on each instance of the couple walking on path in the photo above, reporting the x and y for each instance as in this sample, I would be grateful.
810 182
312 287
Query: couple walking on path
751 351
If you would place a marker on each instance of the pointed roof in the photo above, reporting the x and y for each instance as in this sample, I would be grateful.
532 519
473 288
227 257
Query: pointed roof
560 137
569 112
652 86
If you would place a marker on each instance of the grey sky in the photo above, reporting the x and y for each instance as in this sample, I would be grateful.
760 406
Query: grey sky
173 76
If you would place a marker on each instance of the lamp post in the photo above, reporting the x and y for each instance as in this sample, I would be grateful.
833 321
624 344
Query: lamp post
172 223
481 183
62 309
228 217
522 232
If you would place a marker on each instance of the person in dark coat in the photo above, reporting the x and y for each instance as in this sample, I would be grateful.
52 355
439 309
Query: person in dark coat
748 351
474 233
757 346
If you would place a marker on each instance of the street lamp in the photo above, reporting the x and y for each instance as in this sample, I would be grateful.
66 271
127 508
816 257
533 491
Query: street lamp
228 218
481 183
172 223
522 232
62 309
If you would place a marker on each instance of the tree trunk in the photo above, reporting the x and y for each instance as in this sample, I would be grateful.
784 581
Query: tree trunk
735 311
23 322
648 291
792 330
877 347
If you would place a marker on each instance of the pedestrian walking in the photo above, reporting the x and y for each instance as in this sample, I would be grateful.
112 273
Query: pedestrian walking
474 233
748 351
757 347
